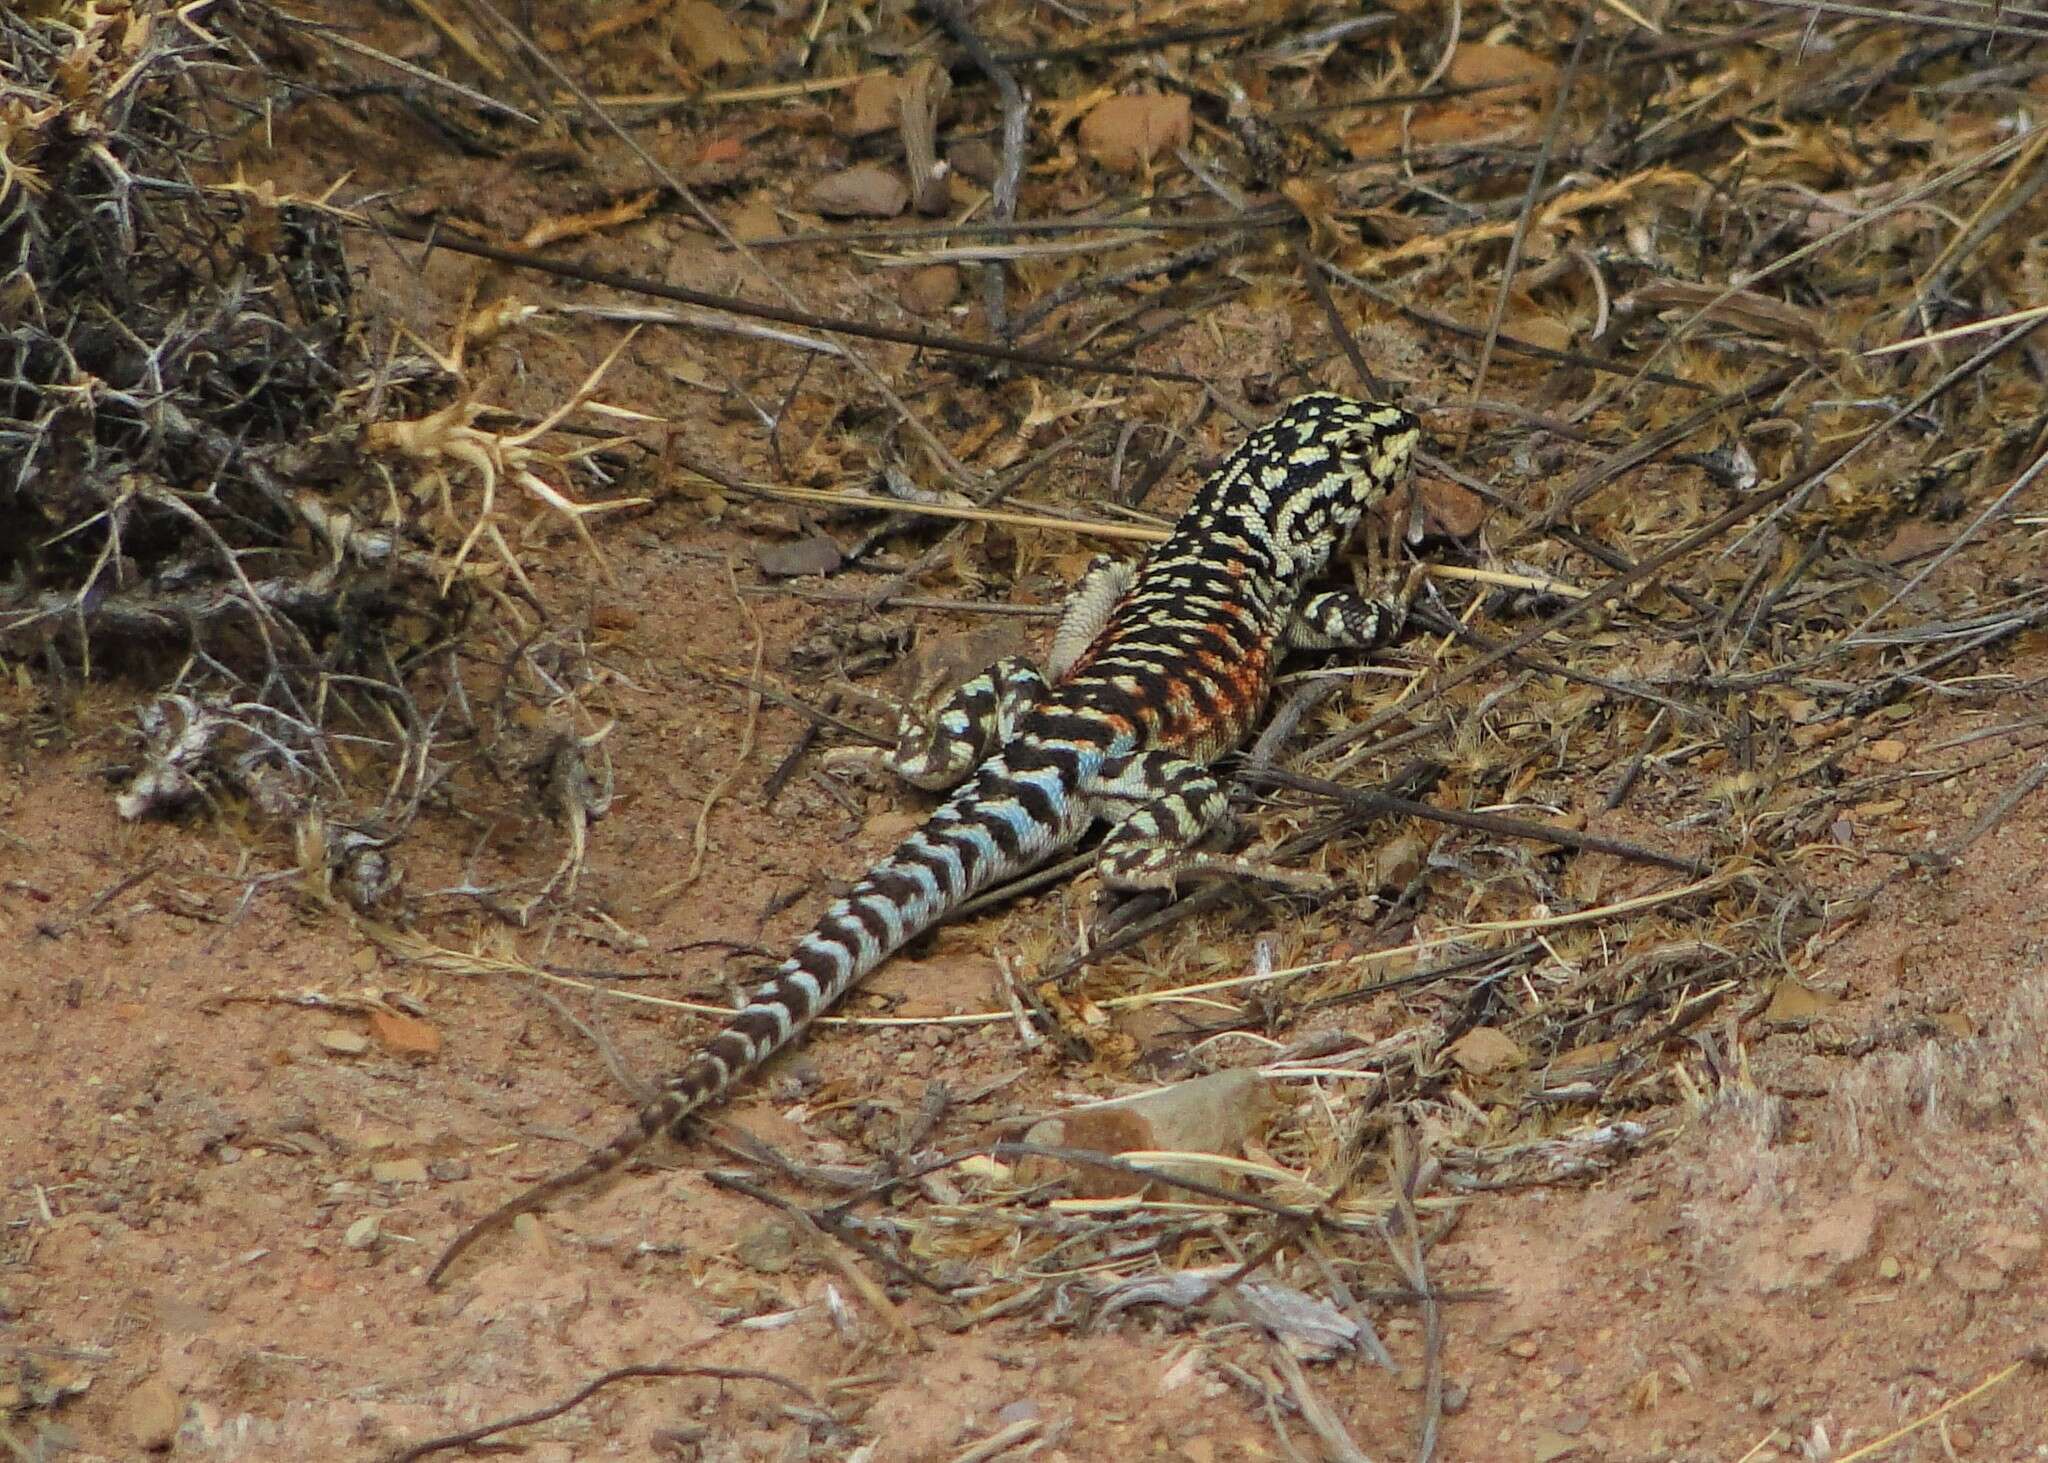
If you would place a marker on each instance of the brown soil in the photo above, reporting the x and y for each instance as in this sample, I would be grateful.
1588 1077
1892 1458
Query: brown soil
223 1182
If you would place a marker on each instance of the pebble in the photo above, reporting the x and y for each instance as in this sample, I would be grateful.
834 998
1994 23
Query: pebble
527 1229
767 1247
150 1415
866 190
931 289
975 159
345 1043
406 1035
363 1233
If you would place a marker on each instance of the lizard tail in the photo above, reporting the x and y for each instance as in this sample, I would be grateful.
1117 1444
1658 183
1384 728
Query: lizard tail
996 825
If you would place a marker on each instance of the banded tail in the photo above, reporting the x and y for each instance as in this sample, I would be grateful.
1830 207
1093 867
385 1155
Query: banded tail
996 825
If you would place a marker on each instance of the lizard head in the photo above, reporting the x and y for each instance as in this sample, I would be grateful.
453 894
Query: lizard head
1316 469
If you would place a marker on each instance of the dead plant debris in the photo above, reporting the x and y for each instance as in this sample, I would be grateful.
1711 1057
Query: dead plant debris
206 492
1724 318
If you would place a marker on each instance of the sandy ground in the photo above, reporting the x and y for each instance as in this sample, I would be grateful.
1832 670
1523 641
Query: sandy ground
222 1182
212 1226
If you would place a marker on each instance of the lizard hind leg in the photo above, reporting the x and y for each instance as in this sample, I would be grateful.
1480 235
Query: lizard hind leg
1160 805
1087 610
937 752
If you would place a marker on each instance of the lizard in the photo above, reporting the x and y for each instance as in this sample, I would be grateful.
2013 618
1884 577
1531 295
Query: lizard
1158 669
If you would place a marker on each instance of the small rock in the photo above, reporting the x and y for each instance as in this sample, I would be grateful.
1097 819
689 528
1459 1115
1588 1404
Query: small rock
709 37
754 221
364 1233
406 1035
399 1171
527 1227
344 1043
1523 1346
890 826
867 190
1914 538
1126 133
1512 72
150 1415
874 105
1543 330
817 554
1452 509
448 1170
974 158
1448 510
1888 752
1022 1411
1486 1049
1212 1114
1794 1000
768 1247
931 289
1399 860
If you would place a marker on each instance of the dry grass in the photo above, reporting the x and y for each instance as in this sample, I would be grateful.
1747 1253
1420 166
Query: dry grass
1722 317
215 498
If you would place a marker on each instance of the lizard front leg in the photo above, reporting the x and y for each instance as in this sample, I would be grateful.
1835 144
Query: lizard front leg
939 751
1338 619
1161 804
